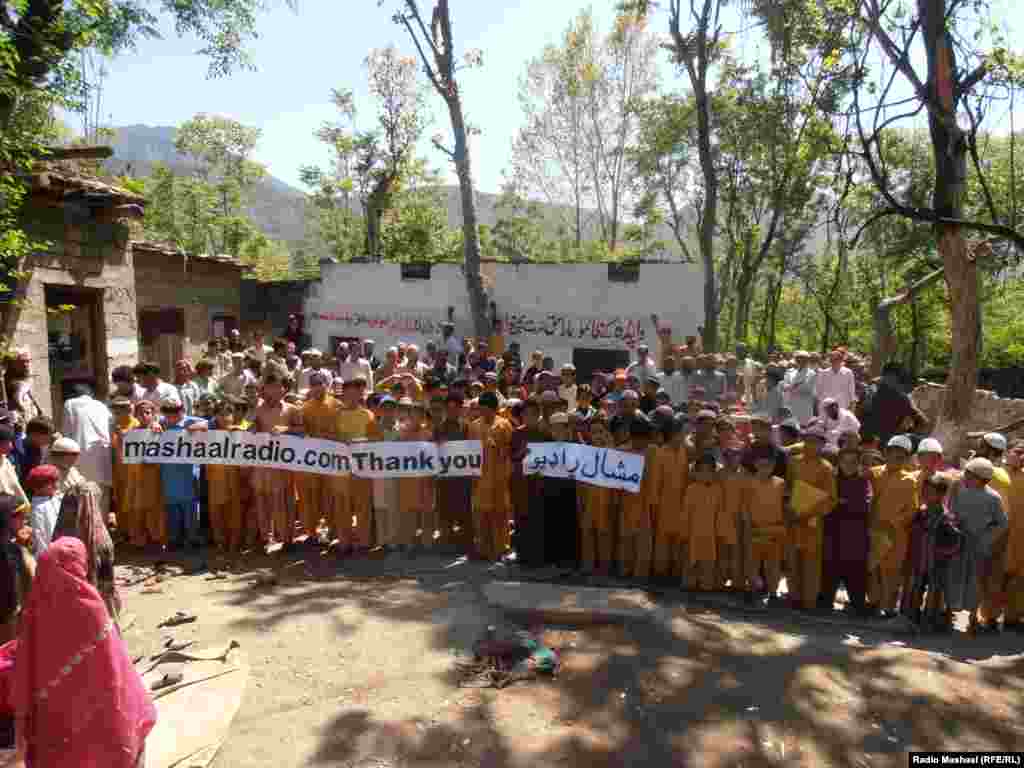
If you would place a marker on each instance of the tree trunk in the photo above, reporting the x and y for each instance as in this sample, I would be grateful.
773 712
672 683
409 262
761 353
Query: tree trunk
885 341
470 232
744 298
709 216
949 150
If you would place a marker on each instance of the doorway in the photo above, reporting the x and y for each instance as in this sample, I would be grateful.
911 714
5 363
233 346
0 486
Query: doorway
77 342
589 360
162 333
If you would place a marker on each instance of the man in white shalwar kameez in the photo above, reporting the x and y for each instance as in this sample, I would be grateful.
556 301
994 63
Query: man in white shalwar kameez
87 422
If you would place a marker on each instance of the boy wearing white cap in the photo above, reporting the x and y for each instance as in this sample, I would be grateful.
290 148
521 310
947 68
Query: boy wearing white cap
894 507
983 520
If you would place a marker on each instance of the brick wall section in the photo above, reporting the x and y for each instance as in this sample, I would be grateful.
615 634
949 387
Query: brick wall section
988 412
91 257
203 289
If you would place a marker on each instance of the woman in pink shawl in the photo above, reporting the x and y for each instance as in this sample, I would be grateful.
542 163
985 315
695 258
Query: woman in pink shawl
78 700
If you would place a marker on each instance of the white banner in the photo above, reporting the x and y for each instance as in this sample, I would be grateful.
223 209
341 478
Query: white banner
457 458
605 467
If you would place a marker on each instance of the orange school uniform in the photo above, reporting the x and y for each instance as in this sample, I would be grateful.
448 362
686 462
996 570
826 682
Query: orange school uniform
808 533
895 504
735 487
130 519
766 516
224 484
672 527
353 512
595 526
636 522
703 505
492 494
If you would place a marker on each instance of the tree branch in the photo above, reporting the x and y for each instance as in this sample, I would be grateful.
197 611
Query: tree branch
969 81
423 57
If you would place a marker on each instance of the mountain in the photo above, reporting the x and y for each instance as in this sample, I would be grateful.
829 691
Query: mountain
277 208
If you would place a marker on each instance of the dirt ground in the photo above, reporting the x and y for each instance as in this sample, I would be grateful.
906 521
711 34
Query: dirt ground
352 665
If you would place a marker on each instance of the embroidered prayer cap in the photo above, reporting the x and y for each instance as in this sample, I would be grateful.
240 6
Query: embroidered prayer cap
980 468
901 441
65 445
995 441
929 445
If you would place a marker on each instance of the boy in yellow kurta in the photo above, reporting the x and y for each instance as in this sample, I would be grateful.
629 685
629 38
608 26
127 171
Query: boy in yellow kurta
735 483
147 501
492 495
764 523
321 496
702 506
806 525
895 503
636 521
1013 585
225 490
595 510
125 476
352 513
994 598
672 528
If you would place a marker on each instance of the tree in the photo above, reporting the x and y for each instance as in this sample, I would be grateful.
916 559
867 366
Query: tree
372 164
549 158
436 49
664 161
581 100
697 47
953 92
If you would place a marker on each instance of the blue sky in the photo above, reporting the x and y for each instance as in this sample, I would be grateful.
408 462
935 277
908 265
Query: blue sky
302 55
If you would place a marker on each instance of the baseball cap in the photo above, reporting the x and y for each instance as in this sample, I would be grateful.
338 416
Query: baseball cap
980 468
901 441
995 441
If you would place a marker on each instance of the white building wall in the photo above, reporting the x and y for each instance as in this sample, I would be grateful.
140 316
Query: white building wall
552 307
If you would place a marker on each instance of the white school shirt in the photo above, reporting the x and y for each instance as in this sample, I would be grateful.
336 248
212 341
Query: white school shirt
43 519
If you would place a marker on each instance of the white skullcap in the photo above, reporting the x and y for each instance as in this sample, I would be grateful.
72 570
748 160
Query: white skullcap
996 441
929 445
901 441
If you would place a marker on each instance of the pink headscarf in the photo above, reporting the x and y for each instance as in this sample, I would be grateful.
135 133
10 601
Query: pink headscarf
74 683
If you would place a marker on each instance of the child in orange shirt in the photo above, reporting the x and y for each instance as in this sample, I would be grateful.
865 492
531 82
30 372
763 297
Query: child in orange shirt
672 531
636 525
765 523
734 491
702 507
225 490
595 510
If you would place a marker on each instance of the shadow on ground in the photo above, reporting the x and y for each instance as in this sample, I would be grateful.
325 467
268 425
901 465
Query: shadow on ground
703 687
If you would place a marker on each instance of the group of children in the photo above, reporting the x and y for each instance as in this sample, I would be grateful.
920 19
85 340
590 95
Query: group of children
718 508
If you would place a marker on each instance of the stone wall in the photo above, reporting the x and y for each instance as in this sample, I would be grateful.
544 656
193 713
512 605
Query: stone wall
203 289
988 412
95 257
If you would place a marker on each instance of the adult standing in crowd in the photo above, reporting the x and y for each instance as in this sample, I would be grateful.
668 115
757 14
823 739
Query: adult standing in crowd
888 410
293 333
18 380
154 389
837 382
87 422
799 387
